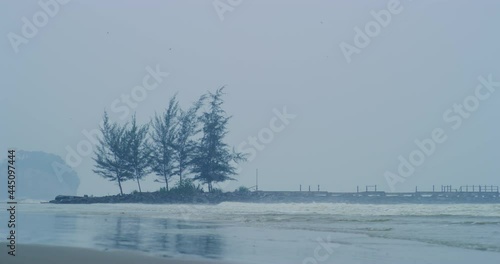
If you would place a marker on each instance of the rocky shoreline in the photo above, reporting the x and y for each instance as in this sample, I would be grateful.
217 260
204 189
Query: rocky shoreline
154 198
284 197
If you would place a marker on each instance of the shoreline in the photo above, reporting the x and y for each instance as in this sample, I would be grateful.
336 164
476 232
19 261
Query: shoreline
256 234
368 197
45 254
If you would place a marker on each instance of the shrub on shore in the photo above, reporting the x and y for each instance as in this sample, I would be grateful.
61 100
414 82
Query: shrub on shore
186 187
242 189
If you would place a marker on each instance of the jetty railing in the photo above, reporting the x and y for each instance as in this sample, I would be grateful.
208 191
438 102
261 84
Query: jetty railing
479 188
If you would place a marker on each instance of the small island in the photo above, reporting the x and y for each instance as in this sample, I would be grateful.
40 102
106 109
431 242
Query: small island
188 193
188 146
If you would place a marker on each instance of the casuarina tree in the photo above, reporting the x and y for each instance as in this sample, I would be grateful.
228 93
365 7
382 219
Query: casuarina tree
185 141
163 137
214 158
111 153
139 154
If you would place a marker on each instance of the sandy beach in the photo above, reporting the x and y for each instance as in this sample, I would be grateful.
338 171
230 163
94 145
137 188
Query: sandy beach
255 233
39 254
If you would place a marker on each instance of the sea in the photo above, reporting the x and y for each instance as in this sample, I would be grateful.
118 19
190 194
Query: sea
269 233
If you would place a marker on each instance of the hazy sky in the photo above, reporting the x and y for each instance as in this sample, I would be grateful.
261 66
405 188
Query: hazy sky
353 120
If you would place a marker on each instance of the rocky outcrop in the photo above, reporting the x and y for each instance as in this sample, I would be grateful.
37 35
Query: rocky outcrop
41 176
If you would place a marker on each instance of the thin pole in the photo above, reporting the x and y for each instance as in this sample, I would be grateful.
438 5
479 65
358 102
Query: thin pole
257 180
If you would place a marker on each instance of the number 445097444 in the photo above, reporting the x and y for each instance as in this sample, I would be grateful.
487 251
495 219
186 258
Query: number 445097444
11 170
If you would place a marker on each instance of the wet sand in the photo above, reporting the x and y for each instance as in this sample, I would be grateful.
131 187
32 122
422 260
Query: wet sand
38 254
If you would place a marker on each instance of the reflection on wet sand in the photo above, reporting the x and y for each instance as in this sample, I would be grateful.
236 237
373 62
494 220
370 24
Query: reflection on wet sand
163 237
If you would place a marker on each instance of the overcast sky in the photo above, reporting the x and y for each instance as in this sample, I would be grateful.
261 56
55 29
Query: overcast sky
352 119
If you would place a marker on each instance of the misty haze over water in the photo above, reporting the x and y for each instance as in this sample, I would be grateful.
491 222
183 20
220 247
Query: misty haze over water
236 131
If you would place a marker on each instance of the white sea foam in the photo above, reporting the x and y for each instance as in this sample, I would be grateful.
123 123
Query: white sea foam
234 210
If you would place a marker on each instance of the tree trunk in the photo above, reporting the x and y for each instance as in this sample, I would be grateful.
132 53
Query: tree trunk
120 185
166 182
181 167
138 180
139 184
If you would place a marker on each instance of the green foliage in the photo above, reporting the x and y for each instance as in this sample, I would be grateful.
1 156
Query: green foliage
176 142
186 187
163 136
139 153
212 162
111 153
216 191
185 143
242 189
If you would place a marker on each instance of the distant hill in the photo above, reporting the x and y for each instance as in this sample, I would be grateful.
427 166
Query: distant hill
40 176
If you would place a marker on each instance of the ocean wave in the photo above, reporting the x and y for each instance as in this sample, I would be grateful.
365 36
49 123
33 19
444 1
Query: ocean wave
477 223
458 244
322 213
26 201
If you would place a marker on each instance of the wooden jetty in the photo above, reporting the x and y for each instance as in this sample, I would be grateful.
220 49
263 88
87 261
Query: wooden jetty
370 194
